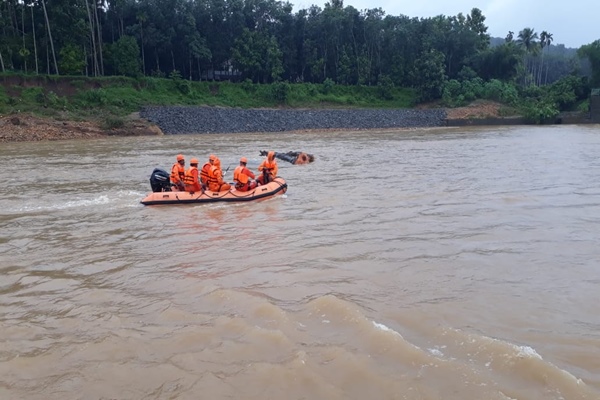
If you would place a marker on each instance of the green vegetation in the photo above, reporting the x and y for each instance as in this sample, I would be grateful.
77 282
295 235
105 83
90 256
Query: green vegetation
117 96
536 103
83 56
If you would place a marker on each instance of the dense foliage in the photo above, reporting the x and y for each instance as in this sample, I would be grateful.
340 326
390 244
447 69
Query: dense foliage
264 41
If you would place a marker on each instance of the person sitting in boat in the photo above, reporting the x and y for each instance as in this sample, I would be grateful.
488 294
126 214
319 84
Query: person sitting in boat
268 169
178 173
191 181
215 177
243 177
205 171
294 157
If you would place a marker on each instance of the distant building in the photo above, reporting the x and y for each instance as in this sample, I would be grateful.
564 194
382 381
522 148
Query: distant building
595 105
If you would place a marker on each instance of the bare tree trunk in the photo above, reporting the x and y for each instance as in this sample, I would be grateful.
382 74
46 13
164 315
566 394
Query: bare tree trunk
13 18
173 59
47 59
325 64
143 54
87 72
199 70
541 69
356 54
93 36
34 42
99 29
50 37
2 62
23 31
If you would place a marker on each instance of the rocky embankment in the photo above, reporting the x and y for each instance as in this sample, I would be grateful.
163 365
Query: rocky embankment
182 120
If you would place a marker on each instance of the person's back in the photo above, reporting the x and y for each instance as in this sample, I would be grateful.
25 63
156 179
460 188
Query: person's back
204 173
178 173
215 177
191 181
268 169
242 177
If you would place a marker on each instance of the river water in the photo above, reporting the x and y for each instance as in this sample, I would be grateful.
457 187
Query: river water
423 264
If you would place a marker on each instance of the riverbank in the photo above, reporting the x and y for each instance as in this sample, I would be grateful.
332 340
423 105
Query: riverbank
30 128
182 120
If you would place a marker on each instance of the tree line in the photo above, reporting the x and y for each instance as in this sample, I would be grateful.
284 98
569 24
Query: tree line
265 41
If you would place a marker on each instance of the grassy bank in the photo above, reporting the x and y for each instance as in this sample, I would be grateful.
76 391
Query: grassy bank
111 98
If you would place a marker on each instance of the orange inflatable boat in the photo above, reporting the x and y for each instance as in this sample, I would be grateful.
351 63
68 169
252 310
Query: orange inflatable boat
277 187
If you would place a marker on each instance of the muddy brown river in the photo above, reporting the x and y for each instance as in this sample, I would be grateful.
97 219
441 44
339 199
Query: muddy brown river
439 264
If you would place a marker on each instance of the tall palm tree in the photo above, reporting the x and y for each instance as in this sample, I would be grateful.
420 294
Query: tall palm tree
509 37
95 63
99 29
528 40
50 36
543 43
34 41
142 17
549 40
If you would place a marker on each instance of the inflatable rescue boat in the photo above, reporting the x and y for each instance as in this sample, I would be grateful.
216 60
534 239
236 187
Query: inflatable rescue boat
162 193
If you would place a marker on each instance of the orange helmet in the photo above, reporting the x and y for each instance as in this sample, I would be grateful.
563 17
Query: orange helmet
180 157
194 161
271 155
217 161
244 160
212 157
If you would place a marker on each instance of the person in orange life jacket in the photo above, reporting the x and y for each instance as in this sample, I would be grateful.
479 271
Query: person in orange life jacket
243 177
268 169
178 173
191 181
215 177
206 170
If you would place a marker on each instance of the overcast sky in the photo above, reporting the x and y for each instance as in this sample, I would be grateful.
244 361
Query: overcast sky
571 22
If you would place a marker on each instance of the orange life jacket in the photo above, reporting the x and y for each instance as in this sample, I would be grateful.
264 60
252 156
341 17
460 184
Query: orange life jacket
269 166
191 180
205 172
214 175
242 174
177 173
215 180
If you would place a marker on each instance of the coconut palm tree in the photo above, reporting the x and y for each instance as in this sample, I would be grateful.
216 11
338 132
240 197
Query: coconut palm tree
93 37
542 44
549 40
527 39
509 37
50 36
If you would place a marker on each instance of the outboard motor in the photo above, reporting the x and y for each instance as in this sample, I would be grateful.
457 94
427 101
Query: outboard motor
160 181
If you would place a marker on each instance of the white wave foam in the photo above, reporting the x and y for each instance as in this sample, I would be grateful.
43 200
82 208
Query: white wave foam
121 197
526 351
436 352
384 328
